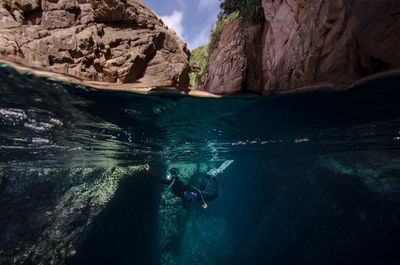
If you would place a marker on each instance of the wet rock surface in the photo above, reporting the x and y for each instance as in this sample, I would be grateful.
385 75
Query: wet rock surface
179 241
112 41
300 205
46 213
338 203
376 173
293 44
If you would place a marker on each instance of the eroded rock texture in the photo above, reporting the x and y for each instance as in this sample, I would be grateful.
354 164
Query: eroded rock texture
46 213
116 41
292 44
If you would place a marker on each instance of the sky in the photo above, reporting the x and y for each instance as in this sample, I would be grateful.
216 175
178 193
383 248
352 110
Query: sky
191 19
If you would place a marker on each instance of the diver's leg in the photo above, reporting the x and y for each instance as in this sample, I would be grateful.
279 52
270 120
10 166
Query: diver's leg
212 194
208 196
204 183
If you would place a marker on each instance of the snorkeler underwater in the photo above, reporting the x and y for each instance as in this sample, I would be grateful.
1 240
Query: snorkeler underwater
189 193
199 132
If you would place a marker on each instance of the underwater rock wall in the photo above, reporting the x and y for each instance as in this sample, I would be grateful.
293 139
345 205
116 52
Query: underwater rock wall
180 236
310 44
111 41
377 171
46 213
286 209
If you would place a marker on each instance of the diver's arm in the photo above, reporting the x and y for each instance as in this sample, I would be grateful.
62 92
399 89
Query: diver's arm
191 188
194 189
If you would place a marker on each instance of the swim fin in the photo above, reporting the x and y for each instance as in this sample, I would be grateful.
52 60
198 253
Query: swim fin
214 172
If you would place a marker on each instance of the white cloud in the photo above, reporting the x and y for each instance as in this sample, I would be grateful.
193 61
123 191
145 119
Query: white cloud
174 21
203 36
200 39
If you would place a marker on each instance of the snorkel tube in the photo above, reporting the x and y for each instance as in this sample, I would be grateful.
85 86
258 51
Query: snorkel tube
172 183
172 174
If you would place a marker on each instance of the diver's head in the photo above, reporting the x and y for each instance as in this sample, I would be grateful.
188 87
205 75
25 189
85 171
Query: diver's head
173 173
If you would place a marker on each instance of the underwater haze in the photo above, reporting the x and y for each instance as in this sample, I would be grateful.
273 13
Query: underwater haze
315 177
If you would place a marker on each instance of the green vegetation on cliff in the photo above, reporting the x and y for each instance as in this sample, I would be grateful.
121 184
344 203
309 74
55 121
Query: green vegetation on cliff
230 9
198 65
217 29
243 7
199 57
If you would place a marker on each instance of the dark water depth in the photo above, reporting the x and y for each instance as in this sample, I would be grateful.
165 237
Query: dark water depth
315 177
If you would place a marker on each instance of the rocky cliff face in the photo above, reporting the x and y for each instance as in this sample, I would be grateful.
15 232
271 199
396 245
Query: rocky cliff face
292 44
114 41
227 67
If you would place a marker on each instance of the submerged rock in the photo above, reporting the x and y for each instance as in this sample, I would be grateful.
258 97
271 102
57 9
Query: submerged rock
294 44
179 241
379 175
112 41
45 213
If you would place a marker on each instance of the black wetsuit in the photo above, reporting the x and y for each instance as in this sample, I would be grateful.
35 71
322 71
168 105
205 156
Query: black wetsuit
181 189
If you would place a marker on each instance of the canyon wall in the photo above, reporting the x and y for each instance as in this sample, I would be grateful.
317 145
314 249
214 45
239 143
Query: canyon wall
227 63
292 44
111 41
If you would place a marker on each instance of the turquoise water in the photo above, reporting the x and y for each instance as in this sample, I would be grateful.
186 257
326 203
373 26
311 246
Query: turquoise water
315 178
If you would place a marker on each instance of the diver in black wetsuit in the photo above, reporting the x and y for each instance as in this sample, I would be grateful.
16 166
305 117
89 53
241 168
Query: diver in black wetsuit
189 193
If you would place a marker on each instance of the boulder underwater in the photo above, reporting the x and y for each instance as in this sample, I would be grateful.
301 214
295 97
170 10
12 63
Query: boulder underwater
48 214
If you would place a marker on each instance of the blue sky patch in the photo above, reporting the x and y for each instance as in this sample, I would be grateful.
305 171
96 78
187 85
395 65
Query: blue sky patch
191 19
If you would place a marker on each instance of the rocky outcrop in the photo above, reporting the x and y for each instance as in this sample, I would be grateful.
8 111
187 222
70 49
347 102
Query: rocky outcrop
292 44
46 213
113 41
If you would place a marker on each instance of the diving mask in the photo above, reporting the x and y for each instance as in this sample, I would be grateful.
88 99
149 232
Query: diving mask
169 176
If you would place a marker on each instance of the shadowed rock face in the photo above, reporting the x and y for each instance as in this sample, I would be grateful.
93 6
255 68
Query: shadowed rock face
116 41
48 213
292 44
